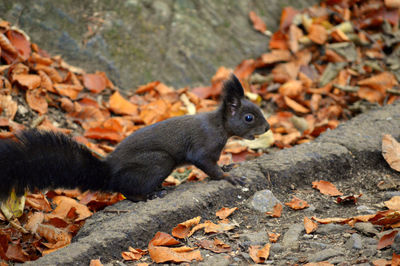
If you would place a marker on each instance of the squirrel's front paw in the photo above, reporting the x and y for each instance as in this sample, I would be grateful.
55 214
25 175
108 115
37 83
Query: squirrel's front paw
234 180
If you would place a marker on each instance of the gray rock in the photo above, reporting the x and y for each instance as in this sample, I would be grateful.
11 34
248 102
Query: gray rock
331 229
325 254
390 194
263 201
369 252
317 245
362 209
354 242
396 244
367 229
216 259
254 238
291 237
370 241
276 248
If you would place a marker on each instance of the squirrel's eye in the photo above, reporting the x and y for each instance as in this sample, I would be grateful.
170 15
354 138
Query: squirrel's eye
249 118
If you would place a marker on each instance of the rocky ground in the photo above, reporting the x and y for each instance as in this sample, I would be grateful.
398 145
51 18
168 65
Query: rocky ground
349 156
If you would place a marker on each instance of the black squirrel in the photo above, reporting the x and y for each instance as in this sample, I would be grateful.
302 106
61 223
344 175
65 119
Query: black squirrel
141 162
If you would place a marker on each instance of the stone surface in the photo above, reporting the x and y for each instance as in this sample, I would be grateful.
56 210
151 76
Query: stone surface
181 43
291 237
354 242
263 201
325 254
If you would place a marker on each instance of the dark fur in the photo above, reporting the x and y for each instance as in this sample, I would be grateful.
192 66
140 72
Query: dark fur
141 162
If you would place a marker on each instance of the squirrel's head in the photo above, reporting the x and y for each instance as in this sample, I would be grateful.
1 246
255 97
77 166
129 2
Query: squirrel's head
242 118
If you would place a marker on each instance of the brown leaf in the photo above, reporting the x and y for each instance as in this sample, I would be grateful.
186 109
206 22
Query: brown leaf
393 203
277 211
154 112
326 188
391 151
297 204
163 239
96 262
380 82
133 254
36 99
387 240
317 34
258 23
225 212
182 230
38 202
20 43
69 90
309 225
8 107
29 81
291 88
273 237
95 83
16 253
64 205
295 106
164 254
276 56
258 254
103 133
120 105
216 246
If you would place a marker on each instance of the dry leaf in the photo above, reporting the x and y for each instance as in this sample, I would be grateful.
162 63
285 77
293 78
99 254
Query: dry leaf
277 211
120 105
393 203
225 212
182 230
387 240
297 204
95 263
273 237
259 255
326 188
133 254
391 151
309 225
258 23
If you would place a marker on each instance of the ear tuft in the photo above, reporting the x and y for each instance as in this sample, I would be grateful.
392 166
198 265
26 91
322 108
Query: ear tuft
233 93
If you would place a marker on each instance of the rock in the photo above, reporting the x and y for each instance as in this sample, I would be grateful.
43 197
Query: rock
331 229
136 42
354 242
367 229
362 209
370 242
325 254
216 259
291 237
254 238
276 248
390 194
263 201
369 252
396 244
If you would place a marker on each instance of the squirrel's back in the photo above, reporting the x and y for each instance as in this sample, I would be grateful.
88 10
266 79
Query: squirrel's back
40 159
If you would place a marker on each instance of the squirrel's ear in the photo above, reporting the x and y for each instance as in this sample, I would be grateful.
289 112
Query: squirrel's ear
233 93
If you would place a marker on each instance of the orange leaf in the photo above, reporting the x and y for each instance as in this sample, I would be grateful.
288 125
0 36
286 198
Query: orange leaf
16 253
20 43
295 106
276 55
36 99
95 263
163 239
292 88
391 151
277 211
393 203
386 240
326 188
258 23
29 81
309 225
164 254
64 205
68 90
8 107
273 237
225 212
95 83
259 255
120 105
216 246
297 204
103 133
182 230
154 112
148 87
245 69
331 220
317 34
38 202
278 41
380 82
133 254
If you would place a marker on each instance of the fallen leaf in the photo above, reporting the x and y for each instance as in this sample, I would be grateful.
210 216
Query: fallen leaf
216 246
64 205
133 254
380 82
120 105
317 34
387 240
276 55
225 212
276 211
352 199
309 225
297 204
326 188
258 254
295 106
391 151
291 88
95 83
36 99
20 42
258 23
182 230
38 202
273 237
96 262
29 81
393 203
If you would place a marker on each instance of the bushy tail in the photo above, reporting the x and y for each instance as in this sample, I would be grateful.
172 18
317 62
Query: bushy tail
42 160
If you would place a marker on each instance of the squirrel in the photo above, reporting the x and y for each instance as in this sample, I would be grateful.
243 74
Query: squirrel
141 162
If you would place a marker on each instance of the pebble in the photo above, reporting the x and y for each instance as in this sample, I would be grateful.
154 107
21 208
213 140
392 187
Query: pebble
332 229
354 242
291 237
362 209
254 238
325 254
263 201
367 229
